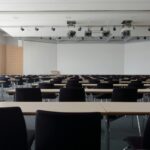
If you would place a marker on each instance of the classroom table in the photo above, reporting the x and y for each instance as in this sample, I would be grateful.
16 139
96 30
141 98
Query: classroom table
98 91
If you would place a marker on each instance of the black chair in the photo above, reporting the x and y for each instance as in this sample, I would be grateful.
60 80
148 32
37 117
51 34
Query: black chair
137 85
67 131
13 134
124 95
72 94
73 85
138 142
28 94
104 86
47 86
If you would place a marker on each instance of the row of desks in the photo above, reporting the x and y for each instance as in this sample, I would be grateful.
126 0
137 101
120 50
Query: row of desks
105 108
12 91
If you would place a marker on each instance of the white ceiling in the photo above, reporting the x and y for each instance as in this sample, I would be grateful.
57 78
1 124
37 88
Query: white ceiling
46 13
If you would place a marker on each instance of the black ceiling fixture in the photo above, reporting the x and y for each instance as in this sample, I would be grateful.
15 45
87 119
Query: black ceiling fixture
22 29
106 33
71 23
114 28
71 34
50 38
88 33
145 37
79 29
36 29
101 29
53 29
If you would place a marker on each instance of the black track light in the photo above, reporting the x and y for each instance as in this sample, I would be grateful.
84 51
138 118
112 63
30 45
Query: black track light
145 37
59 38
22 29
79 29
53 29
138 38
50 38
101 29
36 29
88 33
149 29
114 28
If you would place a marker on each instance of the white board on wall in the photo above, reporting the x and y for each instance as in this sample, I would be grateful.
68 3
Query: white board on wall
137 58
39 58
90 58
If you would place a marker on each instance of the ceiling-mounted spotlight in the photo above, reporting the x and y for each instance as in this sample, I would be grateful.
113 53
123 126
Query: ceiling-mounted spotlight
106 33
79 29
59 38
145 37
126 33
22 29
53 29
36 29
71 34
127 23
149 29
101 37
113 37
41 38
101 29
138 38
88 33
114 28
71 23
50 38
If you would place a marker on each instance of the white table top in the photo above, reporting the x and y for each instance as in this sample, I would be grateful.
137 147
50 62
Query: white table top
12 91
2 81
128 108
30 108
105 108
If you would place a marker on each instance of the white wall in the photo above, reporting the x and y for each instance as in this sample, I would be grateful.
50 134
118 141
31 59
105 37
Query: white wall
90 58
137 58
39 58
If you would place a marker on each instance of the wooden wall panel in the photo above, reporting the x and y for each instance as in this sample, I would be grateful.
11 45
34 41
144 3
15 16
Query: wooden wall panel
2 59
14 60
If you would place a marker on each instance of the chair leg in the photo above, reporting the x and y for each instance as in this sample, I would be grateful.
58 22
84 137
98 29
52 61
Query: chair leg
139 126
126 148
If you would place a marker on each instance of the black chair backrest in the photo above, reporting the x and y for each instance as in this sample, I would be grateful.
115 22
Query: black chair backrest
136 84
67 131
105 85
13 134
146 137
28 94
124 95
72 94
46 85
73 85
